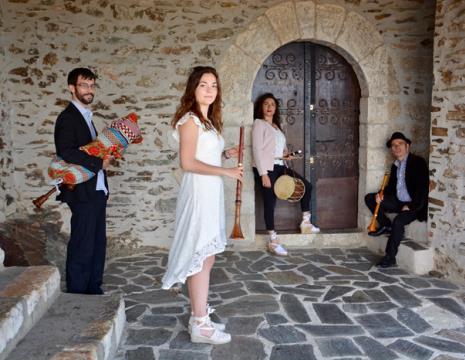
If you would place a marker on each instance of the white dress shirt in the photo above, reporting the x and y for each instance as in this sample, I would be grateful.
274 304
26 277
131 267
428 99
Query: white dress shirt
87 114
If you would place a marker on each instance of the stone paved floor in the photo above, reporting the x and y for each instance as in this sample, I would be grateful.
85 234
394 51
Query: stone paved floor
313 304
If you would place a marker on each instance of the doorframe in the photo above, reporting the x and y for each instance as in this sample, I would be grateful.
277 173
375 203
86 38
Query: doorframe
349 34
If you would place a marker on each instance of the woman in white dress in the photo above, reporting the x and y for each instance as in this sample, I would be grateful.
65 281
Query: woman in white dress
200 221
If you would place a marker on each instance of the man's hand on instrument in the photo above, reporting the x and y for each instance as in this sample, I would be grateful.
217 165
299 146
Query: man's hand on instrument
379 198
107 162
266 182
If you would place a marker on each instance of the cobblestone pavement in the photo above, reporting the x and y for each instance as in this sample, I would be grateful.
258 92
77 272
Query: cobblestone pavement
313 304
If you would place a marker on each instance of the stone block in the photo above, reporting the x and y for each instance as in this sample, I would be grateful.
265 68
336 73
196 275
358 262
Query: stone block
284 21
258 39
29 292
305 11
359 35
377 159
236 71
375 68
378 110
415 257
418 232
374 179
376 245
237 112
75 327
329 20
373 135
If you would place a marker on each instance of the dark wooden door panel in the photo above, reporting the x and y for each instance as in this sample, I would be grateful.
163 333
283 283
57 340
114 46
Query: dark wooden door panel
282 74
333 191
337 97
319 98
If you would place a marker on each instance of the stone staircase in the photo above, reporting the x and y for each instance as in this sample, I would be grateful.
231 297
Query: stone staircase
39 322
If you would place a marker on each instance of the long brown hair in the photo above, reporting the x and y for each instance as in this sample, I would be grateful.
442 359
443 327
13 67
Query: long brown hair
258 109
188 102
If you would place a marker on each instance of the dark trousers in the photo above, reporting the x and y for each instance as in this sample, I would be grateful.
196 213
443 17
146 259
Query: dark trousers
269 197
392 205
85 259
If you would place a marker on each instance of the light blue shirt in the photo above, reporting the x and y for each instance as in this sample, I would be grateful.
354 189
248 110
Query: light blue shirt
402 192
87 114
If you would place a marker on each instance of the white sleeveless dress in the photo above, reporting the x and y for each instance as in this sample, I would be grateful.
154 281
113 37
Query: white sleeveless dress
200 221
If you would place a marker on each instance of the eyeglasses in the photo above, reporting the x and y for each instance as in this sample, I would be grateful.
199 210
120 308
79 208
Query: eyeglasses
86 86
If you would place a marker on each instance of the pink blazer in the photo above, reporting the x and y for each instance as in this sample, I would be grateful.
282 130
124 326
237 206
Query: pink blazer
263 146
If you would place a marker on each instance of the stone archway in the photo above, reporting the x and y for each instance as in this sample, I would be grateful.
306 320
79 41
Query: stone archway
348 33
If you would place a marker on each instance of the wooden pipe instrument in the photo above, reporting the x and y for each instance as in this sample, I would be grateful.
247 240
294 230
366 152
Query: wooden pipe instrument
41 199
236 233
372 227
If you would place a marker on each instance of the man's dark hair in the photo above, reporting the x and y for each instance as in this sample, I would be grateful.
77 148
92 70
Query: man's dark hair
83 72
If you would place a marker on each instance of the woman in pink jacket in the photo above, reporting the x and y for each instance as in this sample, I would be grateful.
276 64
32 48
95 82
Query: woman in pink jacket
269 147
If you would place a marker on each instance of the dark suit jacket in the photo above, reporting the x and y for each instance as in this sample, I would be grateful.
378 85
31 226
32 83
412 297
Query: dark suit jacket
417 182
71 132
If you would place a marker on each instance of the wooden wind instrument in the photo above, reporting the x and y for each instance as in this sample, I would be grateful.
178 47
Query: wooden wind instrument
38 202
372 227
236 233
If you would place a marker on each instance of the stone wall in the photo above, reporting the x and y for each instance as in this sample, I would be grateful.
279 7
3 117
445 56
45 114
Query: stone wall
447 159
142 52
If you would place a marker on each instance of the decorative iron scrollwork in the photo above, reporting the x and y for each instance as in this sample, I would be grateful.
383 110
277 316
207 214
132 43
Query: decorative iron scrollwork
283 66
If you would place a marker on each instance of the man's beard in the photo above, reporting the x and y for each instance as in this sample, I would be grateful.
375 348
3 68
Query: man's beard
81 98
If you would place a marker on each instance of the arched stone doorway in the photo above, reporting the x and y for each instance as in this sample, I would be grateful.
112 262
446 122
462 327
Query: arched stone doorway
319 96
352 36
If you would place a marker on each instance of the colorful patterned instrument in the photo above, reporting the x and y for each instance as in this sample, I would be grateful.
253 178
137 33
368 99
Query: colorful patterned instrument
113 141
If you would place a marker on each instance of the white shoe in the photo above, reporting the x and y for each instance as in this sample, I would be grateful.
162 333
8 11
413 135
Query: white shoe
306 227
204 324
276 249
210 310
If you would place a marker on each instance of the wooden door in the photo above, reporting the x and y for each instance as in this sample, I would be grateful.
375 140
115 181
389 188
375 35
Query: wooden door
319 96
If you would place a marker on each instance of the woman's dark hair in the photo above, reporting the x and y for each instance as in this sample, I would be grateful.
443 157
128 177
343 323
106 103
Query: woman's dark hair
188 102
258 109
82 72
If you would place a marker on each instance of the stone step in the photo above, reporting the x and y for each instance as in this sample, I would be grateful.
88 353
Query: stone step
320 240
413 256
418 231
75 327
26 293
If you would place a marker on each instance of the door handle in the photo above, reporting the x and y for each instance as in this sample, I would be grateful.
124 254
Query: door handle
311 160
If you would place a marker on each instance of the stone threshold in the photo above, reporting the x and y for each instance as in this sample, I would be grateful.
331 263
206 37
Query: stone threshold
348 239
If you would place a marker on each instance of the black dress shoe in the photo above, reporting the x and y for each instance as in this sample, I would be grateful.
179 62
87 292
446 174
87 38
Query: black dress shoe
380 231
387 262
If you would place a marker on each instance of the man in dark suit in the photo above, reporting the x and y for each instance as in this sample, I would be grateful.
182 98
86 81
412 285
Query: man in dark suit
85 259
406 194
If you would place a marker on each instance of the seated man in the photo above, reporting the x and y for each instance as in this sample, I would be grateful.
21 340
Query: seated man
406 194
